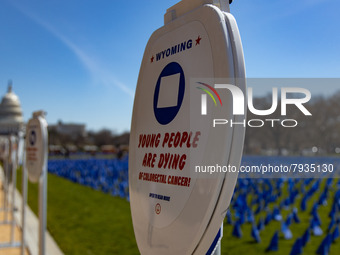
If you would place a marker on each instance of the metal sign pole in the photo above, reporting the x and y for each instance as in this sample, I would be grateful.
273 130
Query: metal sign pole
24 202
218 246
6 182
218 249
4 188
14 181
5 158
42 209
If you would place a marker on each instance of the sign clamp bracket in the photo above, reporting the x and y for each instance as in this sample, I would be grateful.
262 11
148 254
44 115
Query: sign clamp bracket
186 6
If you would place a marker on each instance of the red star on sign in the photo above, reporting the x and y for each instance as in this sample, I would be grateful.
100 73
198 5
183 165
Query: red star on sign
152 59
198 40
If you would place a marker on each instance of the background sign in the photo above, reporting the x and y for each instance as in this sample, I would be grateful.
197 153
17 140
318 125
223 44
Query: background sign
4 147
36 147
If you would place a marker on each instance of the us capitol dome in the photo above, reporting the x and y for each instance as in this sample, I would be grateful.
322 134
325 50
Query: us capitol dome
11 120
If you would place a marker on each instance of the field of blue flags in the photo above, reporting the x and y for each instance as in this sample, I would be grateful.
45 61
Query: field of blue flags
278 216
298 216
106 175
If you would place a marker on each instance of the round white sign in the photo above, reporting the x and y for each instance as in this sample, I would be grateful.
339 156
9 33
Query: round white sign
36 147
177 205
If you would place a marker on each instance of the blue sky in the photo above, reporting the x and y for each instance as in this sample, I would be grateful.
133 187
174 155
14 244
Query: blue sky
79 59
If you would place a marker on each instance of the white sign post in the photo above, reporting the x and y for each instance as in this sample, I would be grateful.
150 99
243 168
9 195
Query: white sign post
13 161
5 185
183 169
36 165
10 150
23 203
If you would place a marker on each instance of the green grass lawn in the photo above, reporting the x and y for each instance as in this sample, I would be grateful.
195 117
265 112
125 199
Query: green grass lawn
85 221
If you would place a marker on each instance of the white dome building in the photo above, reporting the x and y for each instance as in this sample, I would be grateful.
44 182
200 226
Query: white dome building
11 120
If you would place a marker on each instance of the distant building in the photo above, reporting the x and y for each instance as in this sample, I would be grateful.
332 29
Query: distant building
11 120
71 129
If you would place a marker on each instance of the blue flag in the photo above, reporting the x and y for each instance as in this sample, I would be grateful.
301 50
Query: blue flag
260 224
331 224
316 218
296 216
250 216
335 234
315 226
255 233
323 199
314 208
276 214
268 218
297 247
258 209
303 204
289 220
324 246
306 237
274 243
287 233
237 232
229 218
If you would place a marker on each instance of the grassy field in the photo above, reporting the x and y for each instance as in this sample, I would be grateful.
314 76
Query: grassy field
85 221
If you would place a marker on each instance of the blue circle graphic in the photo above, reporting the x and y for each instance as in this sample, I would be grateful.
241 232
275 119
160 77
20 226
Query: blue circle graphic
167 114
32 138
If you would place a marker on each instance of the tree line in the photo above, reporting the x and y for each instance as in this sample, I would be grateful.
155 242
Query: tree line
316 134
